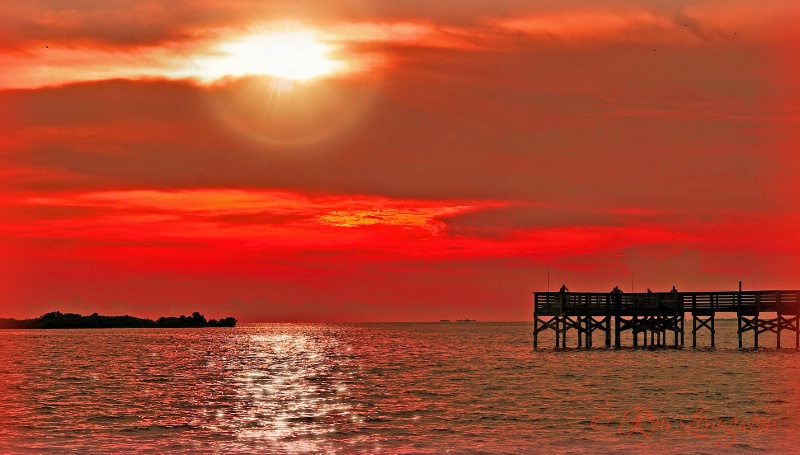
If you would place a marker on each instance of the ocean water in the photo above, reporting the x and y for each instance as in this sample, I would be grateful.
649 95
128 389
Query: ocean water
388 388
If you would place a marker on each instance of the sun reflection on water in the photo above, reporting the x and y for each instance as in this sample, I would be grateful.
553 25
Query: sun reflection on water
289 389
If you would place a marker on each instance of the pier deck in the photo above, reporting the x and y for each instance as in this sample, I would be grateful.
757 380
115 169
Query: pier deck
658 314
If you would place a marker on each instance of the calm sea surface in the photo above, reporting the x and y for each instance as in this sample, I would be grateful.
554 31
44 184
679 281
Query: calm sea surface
390 388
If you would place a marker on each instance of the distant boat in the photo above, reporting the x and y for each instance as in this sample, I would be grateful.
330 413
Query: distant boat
465 320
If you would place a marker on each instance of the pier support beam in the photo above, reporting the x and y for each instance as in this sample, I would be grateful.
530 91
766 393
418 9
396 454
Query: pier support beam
698 323
540 325
789 323
746 323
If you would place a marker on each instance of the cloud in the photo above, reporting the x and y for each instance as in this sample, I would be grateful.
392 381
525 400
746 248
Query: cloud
494 128
49 43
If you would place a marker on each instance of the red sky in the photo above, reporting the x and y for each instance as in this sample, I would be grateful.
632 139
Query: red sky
392 161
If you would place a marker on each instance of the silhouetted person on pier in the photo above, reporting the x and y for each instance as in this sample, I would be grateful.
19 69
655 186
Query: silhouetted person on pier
617 293
563 294
649 291
674 291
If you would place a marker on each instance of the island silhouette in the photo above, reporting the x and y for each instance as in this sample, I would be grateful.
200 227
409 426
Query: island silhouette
59 320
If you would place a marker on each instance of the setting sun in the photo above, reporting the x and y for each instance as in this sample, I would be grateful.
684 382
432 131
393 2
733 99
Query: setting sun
296 55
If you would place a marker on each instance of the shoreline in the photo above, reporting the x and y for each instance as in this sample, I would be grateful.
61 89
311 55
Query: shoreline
58 320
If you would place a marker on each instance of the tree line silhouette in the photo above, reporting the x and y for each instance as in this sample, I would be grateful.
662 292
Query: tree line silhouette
59 320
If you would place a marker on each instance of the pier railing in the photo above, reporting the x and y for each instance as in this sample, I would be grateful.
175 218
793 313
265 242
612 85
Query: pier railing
597 304
651 304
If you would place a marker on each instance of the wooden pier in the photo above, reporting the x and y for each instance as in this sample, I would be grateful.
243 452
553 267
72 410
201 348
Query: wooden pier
661 315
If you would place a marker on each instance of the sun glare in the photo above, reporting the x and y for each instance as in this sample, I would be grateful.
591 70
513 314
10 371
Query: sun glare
297 56
277 87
